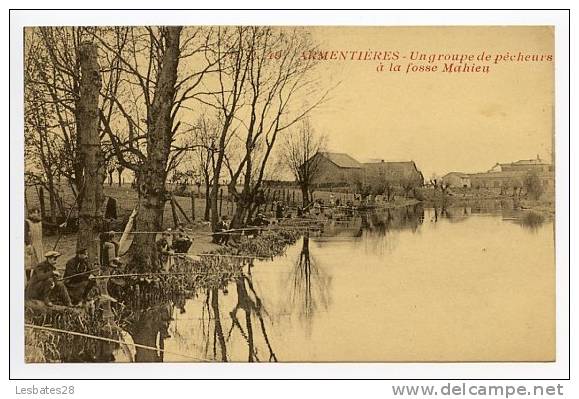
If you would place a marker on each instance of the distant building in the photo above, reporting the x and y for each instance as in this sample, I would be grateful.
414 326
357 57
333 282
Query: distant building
457 179
396 172
507 175
523 165
341 170
334 169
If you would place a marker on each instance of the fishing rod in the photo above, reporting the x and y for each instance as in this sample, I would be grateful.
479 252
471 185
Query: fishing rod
78 274
116 341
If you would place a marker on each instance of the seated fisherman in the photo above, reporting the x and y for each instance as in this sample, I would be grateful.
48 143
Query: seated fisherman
76 276
222 225
44 281
260 220
182 241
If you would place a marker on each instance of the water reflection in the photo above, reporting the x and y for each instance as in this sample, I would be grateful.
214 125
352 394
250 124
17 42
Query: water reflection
531 221
309 287
225 323
340 297
150 328
250 304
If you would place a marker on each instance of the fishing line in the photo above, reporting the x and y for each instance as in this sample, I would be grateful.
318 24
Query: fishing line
79 334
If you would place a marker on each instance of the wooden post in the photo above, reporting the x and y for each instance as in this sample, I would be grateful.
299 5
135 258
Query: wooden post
174 212
192 205
180 209
42 203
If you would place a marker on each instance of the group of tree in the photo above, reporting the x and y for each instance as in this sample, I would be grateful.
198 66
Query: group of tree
221 96
375 182
527 185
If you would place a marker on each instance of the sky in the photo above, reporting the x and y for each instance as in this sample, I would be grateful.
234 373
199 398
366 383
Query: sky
444 122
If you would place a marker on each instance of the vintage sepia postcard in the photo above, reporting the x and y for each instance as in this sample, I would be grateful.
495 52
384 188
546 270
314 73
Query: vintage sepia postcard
288 194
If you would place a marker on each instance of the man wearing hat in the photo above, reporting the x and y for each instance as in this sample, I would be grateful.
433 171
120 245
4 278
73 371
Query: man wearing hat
76 276
44 281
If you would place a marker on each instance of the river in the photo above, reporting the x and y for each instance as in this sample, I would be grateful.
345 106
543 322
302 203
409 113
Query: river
410 284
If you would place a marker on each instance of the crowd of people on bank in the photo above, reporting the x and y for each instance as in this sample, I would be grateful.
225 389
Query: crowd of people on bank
44 281
43 278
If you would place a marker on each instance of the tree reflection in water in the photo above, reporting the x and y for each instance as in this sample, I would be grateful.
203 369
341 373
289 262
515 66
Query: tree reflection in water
247 319
249 302
150 328
310 286
376 225
531 221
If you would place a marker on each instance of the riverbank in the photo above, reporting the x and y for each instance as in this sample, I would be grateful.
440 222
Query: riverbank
487 199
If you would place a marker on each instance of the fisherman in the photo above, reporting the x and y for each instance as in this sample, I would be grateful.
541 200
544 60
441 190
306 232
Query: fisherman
222 225
34 248
165 249
260 220
182 241
44 281
317 207
76 276
279 210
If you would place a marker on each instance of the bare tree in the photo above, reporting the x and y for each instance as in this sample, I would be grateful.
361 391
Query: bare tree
91 157
299 155
162 68
163 47
204 161
409 183
273 86
230 56
53 69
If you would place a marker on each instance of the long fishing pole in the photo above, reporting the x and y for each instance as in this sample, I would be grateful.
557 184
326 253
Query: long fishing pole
116 341
78 274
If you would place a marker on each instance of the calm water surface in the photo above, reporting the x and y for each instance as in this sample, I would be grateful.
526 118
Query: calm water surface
410 284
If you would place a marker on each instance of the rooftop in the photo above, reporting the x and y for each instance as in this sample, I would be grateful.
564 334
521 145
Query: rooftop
342 160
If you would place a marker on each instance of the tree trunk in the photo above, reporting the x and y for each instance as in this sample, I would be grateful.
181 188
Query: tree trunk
305 195
152 176
43 204
90 214
145 332
218 326
52 200
207 213
120 173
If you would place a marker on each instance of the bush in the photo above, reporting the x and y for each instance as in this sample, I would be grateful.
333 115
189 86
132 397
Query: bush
533 185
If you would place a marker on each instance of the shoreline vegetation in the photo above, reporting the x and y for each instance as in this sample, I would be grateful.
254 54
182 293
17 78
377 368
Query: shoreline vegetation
544 205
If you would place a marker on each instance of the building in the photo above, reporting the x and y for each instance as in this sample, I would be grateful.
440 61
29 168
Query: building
508 175
457 179
523 165
398 173
334 169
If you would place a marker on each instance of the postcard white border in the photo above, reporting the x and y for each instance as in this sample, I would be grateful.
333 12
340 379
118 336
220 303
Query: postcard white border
558 369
